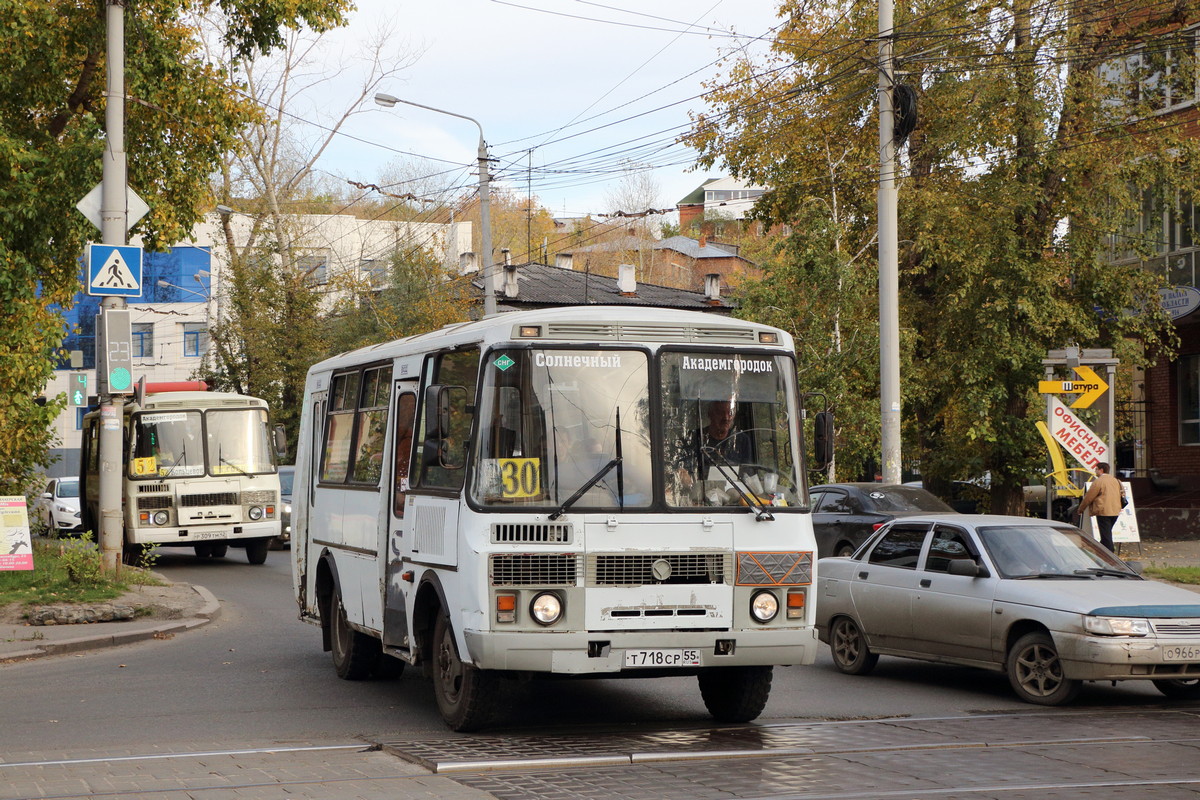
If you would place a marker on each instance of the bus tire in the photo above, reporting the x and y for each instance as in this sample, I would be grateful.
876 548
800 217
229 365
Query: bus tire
354 653
256 550
219 550
203 550
735 694
466 695
387 668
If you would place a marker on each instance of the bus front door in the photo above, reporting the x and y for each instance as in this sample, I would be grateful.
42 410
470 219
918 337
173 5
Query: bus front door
398 589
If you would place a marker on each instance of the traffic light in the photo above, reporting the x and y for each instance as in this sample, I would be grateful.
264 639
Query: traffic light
77 389
114 352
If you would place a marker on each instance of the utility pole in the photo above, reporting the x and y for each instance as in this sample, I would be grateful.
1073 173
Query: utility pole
889 281
113 230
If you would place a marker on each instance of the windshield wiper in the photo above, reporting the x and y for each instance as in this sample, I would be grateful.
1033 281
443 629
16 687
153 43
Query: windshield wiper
1106 572
1052 575
722 464
222 460
584 489
175 463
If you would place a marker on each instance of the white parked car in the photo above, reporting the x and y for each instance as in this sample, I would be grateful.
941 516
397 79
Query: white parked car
56 510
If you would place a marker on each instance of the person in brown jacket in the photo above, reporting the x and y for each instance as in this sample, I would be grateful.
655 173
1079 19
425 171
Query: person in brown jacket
1104 500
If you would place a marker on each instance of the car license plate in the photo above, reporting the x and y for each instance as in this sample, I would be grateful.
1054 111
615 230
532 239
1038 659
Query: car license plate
662 658
1181 653
201 535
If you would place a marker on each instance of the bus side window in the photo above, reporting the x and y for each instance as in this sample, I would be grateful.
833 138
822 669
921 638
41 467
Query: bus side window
406 410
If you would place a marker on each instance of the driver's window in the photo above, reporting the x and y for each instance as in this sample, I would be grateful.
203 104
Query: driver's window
948 544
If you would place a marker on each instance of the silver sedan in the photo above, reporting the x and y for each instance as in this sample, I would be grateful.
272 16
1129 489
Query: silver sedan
1036 599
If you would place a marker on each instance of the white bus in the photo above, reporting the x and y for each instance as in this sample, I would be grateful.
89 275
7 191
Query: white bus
199 472
532 494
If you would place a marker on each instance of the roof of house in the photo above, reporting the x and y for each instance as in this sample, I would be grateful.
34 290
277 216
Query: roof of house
543 285
693 249
696 196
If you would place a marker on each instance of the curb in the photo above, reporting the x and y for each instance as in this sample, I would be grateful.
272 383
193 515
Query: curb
207 613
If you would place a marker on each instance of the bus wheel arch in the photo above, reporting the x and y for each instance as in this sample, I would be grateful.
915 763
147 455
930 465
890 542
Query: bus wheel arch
429 604
327 583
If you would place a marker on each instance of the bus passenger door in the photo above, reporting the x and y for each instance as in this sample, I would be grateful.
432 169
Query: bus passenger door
399 536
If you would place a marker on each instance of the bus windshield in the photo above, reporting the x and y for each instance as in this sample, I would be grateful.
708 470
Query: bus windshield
237 442
168 444
727 430
551 420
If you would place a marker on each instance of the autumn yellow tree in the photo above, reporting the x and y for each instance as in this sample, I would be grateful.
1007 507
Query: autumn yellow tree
1030 152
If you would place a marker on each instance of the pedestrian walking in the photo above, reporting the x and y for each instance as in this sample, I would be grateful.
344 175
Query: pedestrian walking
1105 499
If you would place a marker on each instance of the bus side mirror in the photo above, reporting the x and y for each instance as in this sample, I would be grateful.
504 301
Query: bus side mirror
280 435
823 439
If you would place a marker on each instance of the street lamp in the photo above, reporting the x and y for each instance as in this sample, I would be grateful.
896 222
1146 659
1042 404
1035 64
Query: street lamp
167 285
485 220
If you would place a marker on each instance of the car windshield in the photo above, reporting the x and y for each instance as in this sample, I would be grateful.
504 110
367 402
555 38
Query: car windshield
904 498
285 481
1045 551
68 488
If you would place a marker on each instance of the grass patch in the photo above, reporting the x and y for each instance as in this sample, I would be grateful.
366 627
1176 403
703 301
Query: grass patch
67 571
1174 574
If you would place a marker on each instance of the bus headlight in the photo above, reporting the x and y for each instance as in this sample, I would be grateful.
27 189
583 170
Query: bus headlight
546 608
161 518
764 606
256 512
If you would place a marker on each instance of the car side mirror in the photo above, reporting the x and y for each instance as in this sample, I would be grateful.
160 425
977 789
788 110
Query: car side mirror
967 569
47 496
280 440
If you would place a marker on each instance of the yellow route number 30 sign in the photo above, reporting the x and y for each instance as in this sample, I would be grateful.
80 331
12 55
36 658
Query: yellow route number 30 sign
520 477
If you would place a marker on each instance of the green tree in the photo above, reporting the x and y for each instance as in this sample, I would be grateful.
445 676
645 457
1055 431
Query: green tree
1027 158
181 116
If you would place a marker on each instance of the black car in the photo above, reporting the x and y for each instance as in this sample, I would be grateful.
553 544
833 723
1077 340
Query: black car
845 514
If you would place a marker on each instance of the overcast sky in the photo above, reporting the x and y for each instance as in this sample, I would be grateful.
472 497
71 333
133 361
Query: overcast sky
584 85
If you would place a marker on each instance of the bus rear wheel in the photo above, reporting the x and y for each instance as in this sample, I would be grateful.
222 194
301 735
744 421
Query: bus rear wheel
465 694
735 694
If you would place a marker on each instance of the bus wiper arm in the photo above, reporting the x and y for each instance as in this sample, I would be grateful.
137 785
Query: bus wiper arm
229 463
584 489
727 470
175 463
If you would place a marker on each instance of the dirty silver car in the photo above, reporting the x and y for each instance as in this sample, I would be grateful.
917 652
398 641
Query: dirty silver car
1036 599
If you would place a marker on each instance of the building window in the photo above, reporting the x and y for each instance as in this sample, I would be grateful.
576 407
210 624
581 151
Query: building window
143 340
195 339
375 271
79 412
1189 399
1162 236
1159 76
314 268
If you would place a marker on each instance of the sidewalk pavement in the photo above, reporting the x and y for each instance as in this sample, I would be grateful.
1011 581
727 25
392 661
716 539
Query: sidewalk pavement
180 607
166 610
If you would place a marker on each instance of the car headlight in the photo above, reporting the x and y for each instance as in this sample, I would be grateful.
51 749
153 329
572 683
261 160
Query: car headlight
287 508
546 608
256 512
60 508
161 517
764 606
1116 626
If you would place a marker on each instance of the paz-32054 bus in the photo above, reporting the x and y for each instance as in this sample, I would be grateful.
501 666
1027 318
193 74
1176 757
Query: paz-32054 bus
199 472
571 491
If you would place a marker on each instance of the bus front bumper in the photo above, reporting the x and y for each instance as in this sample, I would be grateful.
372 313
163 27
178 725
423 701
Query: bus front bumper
201 534
579 653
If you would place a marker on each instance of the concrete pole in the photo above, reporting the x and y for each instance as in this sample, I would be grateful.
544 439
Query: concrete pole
485 219
889 281
113 229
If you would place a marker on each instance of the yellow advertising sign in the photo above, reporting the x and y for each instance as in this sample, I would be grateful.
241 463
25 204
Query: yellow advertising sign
1090 389
145 466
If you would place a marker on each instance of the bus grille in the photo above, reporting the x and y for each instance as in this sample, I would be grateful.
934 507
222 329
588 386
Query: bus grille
533 569
151 488
210 499
545 533
151 503
640 569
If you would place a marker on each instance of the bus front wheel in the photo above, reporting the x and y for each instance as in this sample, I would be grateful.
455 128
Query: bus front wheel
354 653
735 694
256 550
465 694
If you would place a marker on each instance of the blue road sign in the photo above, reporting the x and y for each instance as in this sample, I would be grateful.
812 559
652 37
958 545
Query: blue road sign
114 271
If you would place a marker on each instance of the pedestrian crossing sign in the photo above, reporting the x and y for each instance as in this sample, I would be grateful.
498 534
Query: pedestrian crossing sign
114 271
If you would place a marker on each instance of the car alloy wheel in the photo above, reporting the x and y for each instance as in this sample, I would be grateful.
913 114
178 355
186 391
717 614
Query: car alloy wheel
1036 672
848 646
